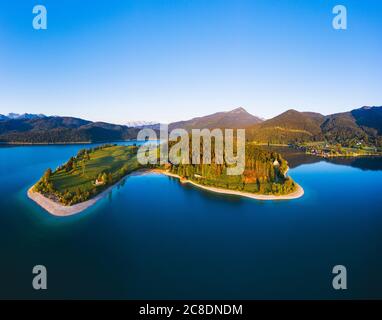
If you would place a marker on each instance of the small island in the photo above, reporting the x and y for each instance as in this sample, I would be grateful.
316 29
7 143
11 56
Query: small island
92 173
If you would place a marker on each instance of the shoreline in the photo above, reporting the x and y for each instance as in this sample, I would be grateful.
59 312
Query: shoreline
60 210
44 143
294 195
358 155
15 143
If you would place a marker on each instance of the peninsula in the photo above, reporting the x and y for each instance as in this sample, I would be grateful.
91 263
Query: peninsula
92 173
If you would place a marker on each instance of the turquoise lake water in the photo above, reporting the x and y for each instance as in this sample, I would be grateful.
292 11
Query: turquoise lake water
155 238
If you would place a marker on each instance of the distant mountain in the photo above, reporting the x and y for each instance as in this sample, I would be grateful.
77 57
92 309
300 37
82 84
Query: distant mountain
13 115
369 117
144 125
347 128
141 124
61 130
289 126
237 118
21 116
360 124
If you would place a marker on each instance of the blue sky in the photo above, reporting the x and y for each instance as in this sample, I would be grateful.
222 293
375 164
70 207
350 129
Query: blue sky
170 60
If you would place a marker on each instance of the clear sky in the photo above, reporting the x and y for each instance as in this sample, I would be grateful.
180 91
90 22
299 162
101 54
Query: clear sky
168 60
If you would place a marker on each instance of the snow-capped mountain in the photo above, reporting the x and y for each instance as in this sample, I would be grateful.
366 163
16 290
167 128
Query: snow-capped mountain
143 124
24 116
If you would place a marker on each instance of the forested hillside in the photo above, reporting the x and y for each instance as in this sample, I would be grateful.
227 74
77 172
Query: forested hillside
62 130
359 126
289 126
348 128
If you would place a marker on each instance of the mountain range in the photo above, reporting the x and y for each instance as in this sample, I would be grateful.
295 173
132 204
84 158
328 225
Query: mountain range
24 116
347 128
44 129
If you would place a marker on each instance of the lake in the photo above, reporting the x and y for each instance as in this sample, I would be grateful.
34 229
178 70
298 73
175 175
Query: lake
153 238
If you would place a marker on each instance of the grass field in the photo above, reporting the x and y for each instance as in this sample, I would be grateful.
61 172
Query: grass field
85 172
88 173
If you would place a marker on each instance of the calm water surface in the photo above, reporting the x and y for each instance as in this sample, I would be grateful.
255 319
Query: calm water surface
155 238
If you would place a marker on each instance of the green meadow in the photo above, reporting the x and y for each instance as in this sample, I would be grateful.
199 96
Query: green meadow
88 173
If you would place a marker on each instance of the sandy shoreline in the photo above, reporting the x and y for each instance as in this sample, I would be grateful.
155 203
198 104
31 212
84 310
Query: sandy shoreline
57 209
294 195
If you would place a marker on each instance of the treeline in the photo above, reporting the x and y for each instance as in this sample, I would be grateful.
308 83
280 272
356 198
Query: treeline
265 173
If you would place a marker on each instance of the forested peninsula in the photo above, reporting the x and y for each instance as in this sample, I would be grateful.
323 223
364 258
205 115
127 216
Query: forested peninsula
74 185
